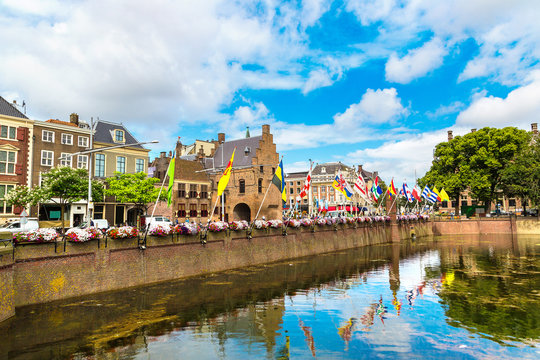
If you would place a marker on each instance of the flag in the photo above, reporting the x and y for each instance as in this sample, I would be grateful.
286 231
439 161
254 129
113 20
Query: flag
436 192
360 186
307 184
392 189
279 181
433 196
341 185
376 190
416 193
407 193
426 192
170 174
224 180
444 195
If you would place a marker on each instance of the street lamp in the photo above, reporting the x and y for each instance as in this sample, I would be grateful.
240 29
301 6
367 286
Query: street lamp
90 152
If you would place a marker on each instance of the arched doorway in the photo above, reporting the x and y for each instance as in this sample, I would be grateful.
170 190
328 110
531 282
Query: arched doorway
242 212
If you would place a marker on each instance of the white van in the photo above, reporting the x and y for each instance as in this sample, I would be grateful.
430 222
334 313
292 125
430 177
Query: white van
19 226
101 224
158 220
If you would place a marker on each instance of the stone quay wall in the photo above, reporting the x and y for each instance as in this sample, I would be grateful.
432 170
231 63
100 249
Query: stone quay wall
39 273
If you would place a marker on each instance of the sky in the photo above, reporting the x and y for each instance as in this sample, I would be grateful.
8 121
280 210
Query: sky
371 82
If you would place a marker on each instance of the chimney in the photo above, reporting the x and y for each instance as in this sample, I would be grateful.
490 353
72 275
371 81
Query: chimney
14 102
162 154
450 135
178 147
266 129
74 119
359 169
221 137
534 128
473 130
170 154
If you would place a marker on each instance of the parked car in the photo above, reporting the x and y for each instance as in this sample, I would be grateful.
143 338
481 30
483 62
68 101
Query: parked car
19 226
158 220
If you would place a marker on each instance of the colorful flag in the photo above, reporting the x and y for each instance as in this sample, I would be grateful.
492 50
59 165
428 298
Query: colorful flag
407 193
360 186
341 185
416 193
433 196
170 174
224 180
392 189
376 189
279 181
426 192
307 184
436 192
444 196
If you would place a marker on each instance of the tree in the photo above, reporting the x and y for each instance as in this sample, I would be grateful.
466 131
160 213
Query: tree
22 196
137 189
65 185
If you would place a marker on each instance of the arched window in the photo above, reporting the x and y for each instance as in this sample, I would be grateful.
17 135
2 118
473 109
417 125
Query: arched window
242 186
260 185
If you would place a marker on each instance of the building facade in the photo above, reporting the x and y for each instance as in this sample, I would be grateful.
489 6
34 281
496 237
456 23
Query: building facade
54 141
16 132
128 159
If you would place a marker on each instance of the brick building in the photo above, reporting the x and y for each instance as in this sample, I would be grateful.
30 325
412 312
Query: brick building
54 139
16 132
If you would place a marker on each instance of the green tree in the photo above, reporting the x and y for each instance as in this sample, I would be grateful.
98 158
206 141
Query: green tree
137 189
65 185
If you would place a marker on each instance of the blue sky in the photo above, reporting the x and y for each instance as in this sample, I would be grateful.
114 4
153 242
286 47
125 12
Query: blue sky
376 83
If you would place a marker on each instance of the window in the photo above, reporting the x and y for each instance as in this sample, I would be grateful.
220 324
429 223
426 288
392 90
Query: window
182 191
512 202
305 201
65 159
298 183
47 158
139 165
292 183
7 162
118 135
47 136
274 171
67 139
98 211
323 188
100 165
192 210
5 208
259 186
464 197
8 132
291 191
454 203
82 162
242 186
83 141
182 210
121 164
298 190
444 204
463 203
204 191
193 191
261 169
204 210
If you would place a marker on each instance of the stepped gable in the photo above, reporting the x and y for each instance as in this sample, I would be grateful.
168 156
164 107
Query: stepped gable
8 109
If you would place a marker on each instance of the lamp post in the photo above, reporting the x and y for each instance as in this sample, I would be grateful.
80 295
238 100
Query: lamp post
90 152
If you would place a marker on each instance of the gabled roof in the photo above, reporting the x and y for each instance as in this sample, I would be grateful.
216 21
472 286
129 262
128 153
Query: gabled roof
60 122
7 109
104 133
241 157
331 168
294 175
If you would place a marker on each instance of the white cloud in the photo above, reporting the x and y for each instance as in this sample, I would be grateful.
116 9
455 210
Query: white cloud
370 11
312 10
317 79
520 108
376 107
416 63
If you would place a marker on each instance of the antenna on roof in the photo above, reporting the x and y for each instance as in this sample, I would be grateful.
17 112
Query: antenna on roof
23 106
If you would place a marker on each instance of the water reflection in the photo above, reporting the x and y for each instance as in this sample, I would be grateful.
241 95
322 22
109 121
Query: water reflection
445 297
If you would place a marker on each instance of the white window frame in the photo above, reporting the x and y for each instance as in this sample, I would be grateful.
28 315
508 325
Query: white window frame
68 136
142 170
67 161
80 162
83 141
45 136
121 157
14 162
43 152
8 132
3 203
123 136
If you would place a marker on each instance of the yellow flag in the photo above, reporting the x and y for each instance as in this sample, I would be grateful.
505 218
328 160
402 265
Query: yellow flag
222 184
444 196
170 173
437 192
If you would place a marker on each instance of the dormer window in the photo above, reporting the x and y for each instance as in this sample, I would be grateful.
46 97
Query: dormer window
119 136
323 170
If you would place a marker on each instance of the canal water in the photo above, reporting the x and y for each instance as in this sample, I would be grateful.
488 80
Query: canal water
450 297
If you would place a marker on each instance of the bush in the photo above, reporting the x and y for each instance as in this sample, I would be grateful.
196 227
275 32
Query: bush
159 230
275 224
186 229
38 236
218 226
123 232
82 235
261 224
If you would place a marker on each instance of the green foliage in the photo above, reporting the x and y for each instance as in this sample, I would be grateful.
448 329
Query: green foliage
22 196
137 189
476 161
